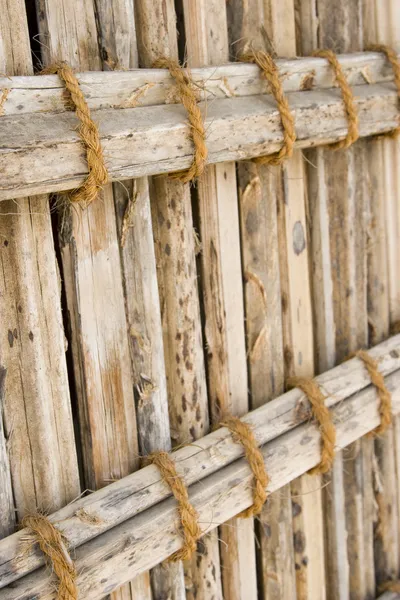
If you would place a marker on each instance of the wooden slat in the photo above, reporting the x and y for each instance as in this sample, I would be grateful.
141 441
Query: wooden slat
147 87
221 284
174 238
383 297
92 269
103 563
35 402
151 140
338 205
260 192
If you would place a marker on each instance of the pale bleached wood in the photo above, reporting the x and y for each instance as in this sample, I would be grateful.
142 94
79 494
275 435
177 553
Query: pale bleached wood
117 40
92 268
308 539
142 489
260 189
174 238
147 87
151 140
383 296
136 545
221 285
339 229
39 450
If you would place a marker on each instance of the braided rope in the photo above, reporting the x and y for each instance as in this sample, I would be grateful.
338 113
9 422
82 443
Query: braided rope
197 131
348 99
187 513
320 412
270 72
51 543
392 57
377 379
89 134
243 434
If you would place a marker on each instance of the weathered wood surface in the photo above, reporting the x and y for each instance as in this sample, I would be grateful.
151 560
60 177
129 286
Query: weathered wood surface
92 269
261 194
339 197
175 245
152 140
39 450
221 286
136 545
380 23
148 87
142 489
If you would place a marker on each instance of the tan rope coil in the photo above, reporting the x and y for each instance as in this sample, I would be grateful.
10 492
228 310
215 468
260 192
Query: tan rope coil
377 379
270 72
243 434
187 513
348 99
89 134
392 57
390 586
321 413
197 130
52 544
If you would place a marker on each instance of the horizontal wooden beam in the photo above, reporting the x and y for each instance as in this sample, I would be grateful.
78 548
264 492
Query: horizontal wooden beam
43 153
148 87
141 490
138 544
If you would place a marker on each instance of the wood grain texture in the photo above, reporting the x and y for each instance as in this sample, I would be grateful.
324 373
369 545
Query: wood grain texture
149 140
140 490
92 267
37 444
260 192
222 289
339 205
137 543
148 87
174 239
382 280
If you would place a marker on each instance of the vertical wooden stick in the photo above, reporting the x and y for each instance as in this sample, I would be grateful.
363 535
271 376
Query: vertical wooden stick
338 234
382 300
96 280
175 257
35 398
221 283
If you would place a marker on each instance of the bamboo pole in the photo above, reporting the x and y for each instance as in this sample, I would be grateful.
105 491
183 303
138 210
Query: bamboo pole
151 140
93 263
175 254
142 489
38 451
136 545
338 235
206 32
383 289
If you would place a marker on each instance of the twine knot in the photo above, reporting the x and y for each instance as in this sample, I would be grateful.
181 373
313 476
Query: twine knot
89 134
243 434
52 544
321 414
197 130
348 99
187 513
270 72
